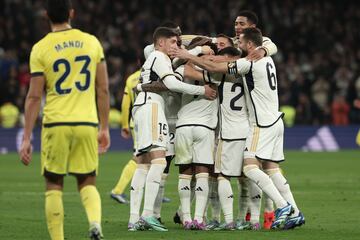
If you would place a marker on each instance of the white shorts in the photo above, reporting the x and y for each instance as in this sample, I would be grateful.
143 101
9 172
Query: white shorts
151 129
266 143
194 144
229 157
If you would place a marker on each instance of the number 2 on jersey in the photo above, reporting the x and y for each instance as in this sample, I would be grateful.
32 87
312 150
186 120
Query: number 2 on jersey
66 64
237 97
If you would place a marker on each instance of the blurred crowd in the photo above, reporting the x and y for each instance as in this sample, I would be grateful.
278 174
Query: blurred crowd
318 62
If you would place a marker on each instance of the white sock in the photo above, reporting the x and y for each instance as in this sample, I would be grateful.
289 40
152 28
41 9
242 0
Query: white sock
214 199
255 194
201 194
243 184
136 191
226 197
160 196
184 190
283 186
264 182
153 180
268 204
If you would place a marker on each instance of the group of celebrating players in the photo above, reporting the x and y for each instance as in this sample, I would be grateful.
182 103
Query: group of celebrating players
186 106
192 93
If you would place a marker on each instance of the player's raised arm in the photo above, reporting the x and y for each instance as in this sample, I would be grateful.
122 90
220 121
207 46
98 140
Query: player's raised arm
203 63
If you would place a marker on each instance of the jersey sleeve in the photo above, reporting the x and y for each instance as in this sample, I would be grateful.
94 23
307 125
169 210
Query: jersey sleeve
36 65
100 51
177 86
215 78
269 46
240 66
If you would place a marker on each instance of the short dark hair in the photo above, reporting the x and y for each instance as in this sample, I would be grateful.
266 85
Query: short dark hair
227 37
231 51
164 32
254 35
202 41
250 15
58 10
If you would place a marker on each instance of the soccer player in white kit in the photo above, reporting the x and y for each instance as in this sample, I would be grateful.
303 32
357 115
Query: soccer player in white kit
264 143
151 128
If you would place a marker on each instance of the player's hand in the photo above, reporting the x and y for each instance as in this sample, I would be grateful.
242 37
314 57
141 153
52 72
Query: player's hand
125 133
206 50
103 140
180 53
256 55
210 93
25 152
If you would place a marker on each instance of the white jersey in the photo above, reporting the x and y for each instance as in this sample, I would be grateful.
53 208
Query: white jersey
156 67
197 111
261 94
234 119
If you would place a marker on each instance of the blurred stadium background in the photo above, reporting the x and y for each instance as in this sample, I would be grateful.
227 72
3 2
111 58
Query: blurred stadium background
318 67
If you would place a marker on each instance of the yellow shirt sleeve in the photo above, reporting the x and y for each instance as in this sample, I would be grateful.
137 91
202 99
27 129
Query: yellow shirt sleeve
36 65
125 106
100 50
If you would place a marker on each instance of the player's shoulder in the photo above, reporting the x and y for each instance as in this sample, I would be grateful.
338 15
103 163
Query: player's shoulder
133 79
263 62
41 43
266 39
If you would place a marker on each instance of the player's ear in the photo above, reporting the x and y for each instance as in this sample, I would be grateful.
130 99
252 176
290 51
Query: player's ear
71 13
161 42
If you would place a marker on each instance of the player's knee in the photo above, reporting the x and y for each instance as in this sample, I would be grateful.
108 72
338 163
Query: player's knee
160 161
185 176
202 175
272 171
222 177
143 166
248 168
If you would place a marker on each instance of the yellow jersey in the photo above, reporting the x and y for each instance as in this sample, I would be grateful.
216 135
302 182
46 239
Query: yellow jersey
68 60
129 99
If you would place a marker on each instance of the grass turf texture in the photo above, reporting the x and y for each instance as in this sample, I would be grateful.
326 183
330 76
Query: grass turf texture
325 185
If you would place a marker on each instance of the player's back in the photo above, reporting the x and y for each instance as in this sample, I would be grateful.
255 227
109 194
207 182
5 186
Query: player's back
262 100
197 110
233 114
68 60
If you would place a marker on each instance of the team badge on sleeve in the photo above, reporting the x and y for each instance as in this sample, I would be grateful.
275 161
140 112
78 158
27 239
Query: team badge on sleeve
232 68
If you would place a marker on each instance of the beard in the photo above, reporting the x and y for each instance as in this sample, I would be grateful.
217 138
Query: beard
244 53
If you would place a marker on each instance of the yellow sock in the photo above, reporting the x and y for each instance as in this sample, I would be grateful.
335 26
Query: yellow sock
126 176
91 201
54 212
358 138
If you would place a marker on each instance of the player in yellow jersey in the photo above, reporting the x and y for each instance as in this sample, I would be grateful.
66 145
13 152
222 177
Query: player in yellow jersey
127 125
69 64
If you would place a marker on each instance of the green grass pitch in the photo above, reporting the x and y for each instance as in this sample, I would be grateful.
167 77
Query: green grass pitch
325 185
